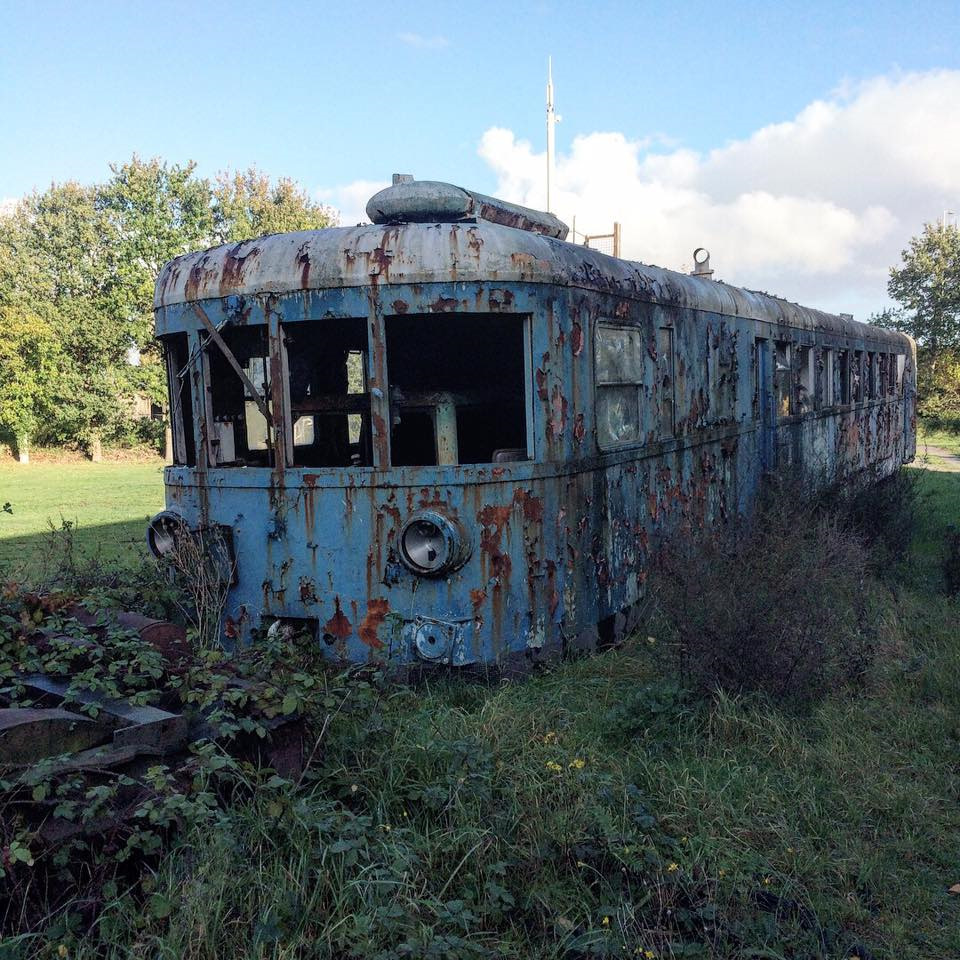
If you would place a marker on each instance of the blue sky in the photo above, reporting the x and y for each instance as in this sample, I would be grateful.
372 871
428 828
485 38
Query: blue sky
334 94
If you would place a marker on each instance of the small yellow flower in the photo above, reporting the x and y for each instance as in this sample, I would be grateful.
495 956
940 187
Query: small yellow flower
385 827
405 813
723 873
684 839
62 950
581 864
791 850
606 921
577 764
554 766
550 736
766 881
649 955
673 868
651 641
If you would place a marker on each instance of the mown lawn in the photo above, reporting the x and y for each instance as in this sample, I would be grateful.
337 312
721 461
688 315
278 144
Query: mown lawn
107 503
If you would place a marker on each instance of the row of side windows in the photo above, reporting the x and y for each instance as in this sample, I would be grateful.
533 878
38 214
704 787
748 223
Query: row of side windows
845 376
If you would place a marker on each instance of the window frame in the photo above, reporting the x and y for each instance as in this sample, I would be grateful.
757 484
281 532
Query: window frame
604 324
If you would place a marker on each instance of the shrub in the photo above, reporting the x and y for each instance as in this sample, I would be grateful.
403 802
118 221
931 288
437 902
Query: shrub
884 513
784 606
951 562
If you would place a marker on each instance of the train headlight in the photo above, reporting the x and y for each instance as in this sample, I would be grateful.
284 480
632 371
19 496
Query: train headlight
163 531
432 544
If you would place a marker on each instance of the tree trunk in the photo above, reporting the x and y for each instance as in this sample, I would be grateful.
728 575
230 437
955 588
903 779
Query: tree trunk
96 448
23 448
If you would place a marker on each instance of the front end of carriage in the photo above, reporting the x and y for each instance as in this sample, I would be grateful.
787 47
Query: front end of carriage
360 428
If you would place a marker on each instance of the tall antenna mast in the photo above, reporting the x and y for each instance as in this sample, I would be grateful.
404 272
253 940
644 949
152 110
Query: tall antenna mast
551 121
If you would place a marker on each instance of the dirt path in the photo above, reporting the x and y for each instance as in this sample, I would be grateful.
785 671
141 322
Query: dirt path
940 459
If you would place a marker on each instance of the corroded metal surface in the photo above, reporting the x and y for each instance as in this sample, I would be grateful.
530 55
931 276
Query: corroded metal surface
561 541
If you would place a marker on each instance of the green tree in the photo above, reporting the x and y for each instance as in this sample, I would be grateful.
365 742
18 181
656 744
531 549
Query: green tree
29 357
926 287
246 205
55 252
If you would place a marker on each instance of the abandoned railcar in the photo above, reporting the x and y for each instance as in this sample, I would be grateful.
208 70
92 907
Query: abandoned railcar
452 437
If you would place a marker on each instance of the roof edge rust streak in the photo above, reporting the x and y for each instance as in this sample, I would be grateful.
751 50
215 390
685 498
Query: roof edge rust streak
468 251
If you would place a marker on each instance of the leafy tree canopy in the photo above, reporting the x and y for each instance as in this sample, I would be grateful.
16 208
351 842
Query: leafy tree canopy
247 205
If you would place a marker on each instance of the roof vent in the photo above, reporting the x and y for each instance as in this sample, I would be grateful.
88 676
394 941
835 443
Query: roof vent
429 201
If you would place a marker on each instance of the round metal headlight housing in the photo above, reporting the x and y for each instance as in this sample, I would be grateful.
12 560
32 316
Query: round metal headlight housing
163 531
432 544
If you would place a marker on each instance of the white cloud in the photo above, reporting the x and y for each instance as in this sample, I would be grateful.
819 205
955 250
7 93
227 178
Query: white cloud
351 199
8 205
816 209
421 42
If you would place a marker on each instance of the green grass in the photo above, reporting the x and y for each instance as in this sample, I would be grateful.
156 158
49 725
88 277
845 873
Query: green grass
108 502
598 811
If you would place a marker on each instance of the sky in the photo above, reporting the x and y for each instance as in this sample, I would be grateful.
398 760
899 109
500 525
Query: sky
803 143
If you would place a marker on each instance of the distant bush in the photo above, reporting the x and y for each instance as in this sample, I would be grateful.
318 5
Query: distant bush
784 606
885 514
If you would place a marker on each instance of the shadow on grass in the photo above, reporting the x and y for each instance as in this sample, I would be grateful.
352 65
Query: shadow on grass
29 555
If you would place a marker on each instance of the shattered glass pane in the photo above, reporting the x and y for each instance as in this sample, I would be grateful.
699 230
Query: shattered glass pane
619 355
618 416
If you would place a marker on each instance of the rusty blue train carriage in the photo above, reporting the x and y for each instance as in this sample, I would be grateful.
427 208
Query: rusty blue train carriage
450 437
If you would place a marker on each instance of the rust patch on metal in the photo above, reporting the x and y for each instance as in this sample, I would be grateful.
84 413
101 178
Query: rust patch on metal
558 411
576 339
400 306
579 430
303 262
338 625
377 610
444 305
231 277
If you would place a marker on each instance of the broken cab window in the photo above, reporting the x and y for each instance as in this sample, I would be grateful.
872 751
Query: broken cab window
240 434
329 400
457 388
180 393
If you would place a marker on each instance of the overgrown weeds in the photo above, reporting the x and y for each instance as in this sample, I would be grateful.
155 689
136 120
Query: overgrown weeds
784 605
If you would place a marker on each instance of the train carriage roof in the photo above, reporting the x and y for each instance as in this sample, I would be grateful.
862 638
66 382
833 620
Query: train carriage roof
468 250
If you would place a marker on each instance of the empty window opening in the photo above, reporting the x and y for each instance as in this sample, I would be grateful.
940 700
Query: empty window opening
827 395
901 367
856 376
240 434
457 389
783 379
872 376
618 365
805 378
180 393
329 401
841 381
